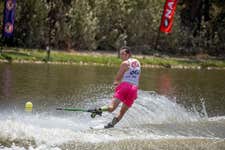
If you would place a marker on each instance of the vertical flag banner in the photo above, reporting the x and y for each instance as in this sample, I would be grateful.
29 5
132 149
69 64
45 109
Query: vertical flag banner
168 15
9 17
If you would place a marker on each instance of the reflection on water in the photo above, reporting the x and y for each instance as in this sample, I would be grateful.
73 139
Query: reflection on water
164 84
176 109
189 87
6 81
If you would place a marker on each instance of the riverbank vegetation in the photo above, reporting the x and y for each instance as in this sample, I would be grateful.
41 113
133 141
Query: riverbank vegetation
107 58
107 25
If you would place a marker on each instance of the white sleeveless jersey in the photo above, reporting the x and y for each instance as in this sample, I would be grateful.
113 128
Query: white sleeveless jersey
133 73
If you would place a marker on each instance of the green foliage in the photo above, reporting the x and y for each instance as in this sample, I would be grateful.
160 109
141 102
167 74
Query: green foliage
83 25
110 24
30 24
84 58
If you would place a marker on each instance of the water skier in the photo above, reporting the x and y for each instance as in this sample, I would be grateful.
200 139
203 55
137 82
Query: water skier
126 86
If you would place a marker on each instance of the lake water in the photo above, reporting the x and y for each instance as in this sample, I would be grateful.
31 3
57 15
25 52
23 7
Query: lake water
176 109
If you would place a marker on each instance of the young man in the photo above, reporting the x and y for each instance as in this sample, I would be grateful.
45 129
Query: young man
126 86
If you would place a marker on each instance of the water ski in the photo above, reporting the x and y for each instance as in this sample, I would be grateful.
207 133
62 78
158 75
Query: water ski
93 112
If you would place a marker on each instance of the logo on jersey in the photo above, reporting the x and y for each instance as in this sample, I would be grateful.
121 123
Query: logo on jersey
134 71
134 64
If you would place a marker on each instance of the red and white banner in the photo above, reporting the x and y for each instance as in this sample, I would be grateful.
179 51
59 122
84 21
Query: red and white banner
168 15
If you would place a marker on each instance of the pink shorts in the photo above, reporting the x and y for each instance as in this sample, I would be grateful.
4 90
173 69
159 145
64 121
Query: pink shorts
126 93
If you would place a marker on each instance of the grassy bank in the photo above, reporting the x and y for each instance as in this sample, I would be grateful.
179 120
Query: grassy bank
40 56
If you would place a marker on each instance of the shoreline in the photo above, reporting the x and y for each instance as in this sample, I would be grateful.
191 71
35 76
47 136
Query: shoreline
108 59
111 65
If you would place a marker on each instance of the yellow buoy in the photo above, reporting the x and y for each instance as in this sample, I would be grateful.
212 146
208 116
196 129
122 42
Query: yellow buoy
28 107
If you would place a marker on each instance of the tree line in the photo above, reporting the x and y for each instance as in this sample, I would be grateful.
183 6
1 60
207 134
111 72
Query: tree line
199 26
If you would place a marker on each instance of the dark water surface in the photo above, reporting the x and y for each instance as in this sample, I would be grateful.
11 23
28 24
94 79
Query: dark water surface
176 109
